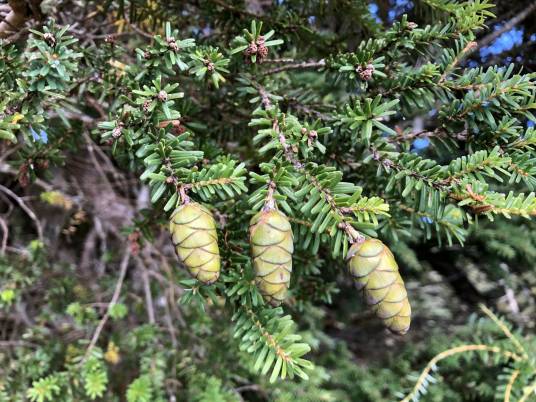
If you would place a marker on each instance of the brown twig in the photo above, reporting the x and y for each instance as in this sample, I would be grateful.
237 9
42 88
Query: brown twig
26 209
3 225
465 51
522 15
113 301
298 66
149 306
269 201
17 344
14 19
351 232
266 102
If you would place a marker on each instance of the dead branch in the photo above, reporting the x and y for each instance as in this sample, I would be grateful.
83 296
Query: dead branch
5 235
149 306
25 208
490 38
14 19
113 301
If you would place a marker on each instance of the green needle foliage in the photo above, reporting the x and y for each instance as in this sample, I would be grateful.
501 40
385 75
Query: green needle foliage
114 115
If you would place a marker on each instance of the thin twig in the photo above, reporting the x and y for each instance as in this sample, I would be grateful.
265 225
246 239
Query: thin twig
265 99
505 330
16 344
432 364
113 301
14 19
298 66
5 235
522 15
26 209
283 60
465 51
510 385
5 168
531 389
169 321
149 306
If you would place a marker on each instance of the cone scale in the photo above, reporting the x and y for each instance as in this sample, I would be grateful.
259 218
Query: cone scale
271 248
193 232
375 272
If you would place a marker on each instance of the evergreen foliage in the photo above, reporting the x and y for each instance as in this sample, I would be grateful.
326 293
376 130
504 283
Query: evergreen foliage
273 142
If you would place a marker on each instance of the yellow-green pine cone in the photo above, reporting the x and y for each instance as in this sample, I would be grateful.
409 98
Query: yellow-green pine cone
374 270
271 249
193 232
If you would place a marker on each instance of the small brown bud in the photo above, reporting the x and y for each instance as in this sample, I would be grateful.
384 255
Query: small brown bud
116 133
134 238
43 163
24 178
49 39
251 49
210 66
162 96
146 105
366 74
312 136
262 51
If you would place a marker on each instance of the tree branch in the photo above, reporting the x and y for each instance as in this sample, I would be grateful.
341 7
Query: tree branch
113 301
298 66
490 38
14 19
26 209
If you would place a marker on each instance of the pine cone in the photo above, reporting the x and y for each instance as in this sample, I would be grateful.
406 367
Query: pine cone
193 232
375 271
271 249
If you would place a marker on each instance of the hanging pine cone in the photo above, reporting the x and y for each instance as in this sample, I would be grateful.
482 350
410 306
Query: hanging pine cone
271 249
375 271
193 232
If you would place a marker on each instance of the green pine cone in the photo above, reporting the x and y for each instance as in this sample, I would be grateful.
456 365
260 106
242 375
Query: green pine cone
375 271
193 232
271 249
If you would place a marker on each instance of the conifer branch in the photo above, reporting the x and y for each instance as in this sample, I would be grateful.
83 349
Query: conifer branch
527 392
431 366
353 235
509 386
505 330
